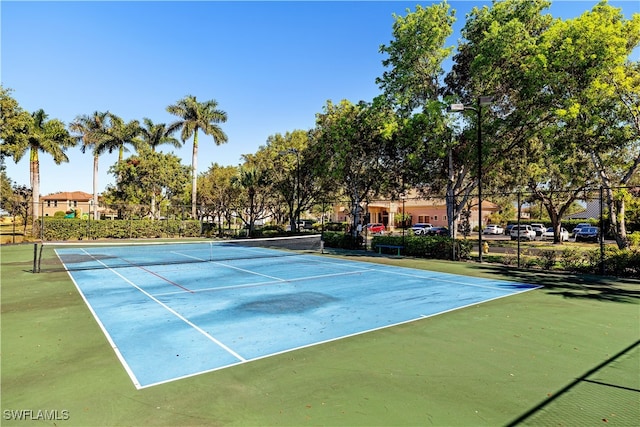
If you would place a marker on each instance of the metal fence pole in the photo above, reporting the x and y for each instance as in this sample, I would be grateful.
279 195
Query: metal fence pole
602 267
519 215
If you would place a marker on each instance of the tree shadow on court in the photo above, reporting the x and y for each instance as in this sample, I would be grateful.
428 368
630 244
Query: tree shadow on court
559 416
573 285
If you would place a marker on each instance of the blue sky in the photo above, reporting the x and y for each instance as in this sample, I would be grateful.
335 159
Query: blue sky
270 65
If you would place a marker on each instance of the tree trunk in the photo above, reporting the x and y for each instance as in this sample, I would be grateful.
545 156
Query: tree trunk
34 174
194 175
96 215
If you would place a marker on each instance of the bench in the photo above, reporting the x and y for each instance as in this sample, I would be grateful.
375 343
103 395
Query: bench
399 248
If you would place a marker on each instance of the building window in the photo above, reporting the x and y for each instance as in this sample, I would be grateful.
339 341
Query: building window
75 203
435 217
55 203
48 203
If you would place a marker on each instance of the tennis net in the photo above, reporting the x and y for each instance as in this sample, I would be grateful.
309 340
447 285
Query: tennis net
51 256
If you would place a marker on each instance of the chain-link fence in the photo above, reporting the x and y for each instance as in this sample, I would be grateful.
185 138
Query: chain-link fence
585 230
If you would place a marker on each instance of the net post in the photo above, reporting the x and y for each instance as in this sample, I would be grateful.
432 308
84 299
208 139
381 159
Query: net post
35 257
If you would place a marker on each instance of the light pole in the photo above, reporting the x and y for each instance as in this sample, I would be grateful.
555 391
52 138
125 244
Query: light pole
482 100
297 190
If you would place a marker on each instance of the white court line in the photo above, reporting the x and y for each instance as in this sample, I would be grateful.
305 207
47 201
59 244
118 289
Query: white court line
251 285
232 267
111 342
172 311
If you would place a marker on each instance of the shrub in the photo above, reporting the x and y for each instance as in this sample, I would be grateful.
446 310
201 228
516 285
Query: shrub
338 240
548 259
439 247
571 259
335 226
634 238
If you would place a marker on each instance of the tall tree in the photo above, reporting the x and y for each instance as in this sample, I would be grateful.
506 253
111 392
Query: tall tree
349 143
144 177
596 96
14 124
155 135
291 172
47 136
195 116
216 193
251 182
91 130
118 134
158 134
415 57
424 154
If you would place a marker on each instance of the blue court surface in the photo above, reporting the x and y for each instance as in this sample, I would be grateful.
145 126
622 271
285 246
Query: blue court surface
171 321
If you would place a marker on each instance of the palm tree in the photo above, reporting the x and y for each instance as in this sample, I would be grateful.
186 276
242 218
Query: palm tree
154 135
157 134
196 116
48 136
117 134
91 129
250 180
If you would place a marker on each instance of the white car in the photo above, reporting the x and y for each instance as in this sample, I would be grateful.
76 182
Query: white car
493 229
520 232
421 228
548 234
538 228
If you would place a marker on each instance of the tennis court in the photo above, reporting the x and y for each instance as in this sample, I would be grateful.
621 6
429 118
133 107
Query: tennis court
168 320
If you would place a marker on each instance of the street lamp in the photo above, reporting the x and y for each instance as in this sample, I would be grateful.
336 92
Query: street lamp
482 100
297 212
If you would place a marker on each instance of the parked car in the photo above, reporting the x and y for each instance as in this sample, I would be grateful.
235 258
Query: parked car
539 229
421 228
519 232
493 229
438 231
507 229
548 234
303 224
578 227
588 234
376 228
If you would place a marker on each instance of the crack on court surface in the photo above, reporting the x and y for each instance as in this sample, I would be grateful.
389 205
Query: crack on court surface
298 302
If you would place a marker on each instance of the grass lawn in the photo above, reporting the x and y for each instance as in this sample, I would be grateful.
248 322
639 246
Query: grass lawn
567 354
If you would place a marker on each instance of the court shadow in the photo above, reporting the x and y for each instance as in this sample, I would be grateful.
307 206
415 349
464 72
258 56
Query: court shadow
527 416
574 286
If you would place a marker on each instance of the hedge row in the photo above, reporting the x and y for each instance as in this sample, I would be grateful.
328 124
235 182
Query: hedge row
78 229
439 247
418 246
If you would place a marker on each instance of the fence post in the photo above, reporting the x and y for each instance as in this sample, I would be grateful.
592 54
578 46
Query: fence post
602 269
35 257
519 213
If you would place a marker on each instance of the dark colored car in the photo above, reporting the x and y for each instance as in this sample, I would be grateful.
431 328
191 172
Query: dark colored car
438 231
588 234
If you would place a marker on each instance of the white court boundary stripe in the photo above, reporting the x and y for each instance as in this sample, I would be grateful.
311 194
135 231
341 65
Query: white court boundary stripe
112 343
175 313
